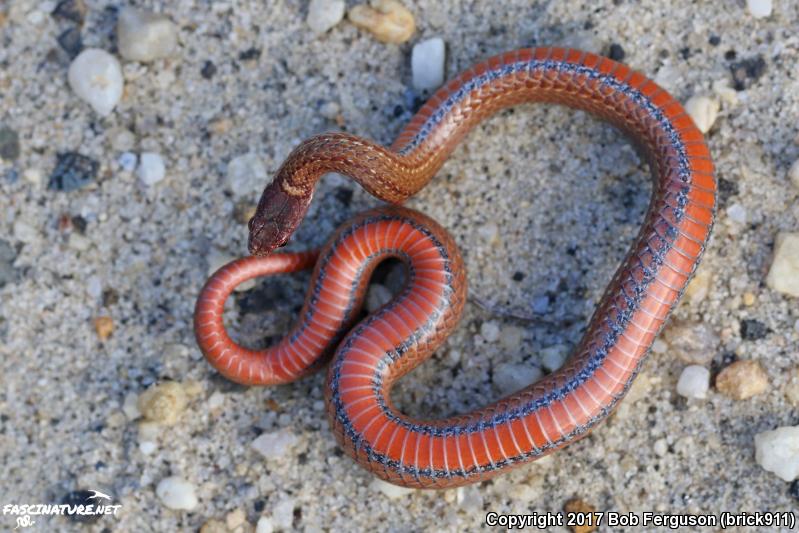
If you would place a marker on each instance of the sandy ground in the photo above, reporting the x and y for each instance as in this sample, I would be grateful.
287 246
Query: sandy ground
543 191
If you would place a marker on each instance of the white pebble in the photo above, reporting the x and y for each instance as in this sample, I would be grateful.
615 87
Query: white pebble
25 232
151 168
759 8
703 110
147 447
32 176
389 490
661 447
793 173
427 64
78 242
275 444
694 382
96 77
783 276
283 514
553 357
246 175
264 525
737 213
130 406
217 258
510 378
490 331
176 493
94 287
127 161
216 400
145 36
324 14
778 451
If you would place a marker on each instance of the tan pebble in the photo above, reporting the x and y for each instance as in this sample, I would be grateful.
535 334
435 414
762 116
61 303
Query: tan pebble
742 380
699 287
243 211
220 126
792 388
214 526
749 299
236 519
783 275
388 20
694 343
703 110
793 173
576 505
104 326
163 403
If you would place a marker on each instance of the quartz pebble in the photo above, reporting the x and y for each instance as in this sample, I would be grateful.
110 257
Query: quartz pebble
324 14
127 161
490 331
144 36
151 168
694 382
742 380
389 490
777 451
246 175
264 525
275 444
388 20
703 110
793 173
553 357
283 514
509 377
783 276
25 232
759 8
699 287
177 493
427 64
96 78
691 343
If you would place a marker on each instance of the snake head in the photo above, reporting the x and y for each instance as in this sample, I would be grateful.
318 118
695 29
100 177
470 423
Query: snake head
276 218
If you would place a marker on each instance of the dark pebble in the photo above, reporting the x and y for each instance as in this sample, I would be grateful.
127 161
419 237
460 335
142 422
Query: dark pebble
747 71
72 171
259 505
793 490
730 55
79 223
616 52
714 40
727 188
81 497
685 52
249 55
752 330
8 273
208 71
344 195
74 10
110 297
9 144
518 276
71 41
398 111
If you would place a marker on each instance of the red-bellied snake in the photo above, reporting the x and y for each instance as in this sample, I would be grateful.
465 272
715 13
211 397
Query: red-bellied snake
371 355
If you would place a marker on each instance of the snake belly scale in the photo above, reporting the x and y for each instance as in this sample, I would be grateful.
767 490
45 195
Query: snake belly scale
368 357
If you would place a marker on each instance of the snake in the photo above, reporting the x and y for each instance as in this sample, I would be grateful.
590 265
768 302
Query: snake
367 355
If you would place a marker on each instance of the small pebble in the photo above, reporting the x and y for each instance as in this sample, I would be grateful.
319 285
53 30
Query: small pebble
747 71
145 36
79 242
147 447
164 403
703 110
246 175
177 493
283 514
104 326
96 78
390 490
777 451
130 406
694 382
792 387
742 380
128 161
32 176
24 232
388 20
8 273
324 14
72 171
72 10
511 337
216 400
553 357
753 330
759 8
749 299
214 526
71 41
509 377
275 444
793 173
151 168
235 519
264 525
661 447
9 144
616 52
427 64
699 287
330 110
576 505
244 210
737 214
783 276
377 296
490 331
690 342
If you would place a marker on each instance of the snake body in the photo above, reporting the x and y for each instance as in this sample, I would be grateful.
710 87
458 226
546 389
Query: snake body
368 357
